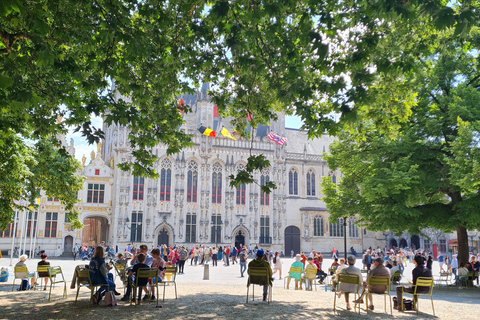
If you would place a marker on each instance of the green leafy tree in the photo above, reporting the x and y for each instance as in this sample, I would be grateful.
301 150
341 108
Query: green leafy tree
128 61
424 173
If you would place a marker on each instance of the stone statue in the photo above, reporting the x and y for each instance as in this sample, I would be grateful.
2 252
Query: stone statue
59 119
92 155
99 145
83 160
111 162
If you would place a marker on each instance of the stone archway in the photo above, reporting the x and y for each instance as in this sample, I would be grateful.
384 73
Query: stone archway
403 243
95 230
239 239
415 240
393 243
164 235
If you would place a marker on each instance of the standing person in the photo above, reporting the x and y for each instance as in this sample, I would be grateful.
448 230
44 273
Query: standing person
454 266
220 253
227 255
214 256
196 253
334 253
291 253
43 262
429 263
448 263
277 265
260 262
75 251
234 254
320 259
99 274
418 271
242 256
368 259
181 261
440 262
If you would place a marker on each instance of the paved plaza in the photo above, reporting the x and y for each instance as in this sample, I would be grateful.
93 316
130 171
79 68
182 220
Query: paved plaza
222 297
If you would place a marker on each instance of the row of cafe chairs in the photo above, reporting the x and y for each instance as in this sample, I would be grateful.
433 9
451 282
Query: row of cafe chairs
84 280
54 274
385 281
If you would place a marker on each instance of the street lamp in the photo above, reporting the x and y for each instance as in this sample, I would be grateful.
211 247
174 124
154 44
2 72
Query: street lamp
345 236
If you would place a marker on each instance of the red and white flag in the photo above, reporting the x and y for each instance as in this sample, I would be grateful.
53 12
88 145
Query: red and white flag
276 138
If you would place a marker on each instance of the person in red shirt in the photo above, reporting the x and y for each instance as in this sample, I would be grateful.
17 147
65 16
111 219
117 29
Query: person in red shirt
303 259
227 255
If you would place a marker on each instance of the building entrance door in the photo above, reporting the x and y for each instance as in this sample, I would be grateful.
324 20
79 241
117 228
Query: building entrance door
68 244
239 239
292 240
163 237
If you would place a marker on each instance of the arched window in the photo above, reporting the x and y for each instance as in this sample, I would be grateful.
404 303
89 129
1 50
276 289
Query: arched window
336 229
241 190
165 179
264 197
217 183
310 183
318 226
352 228
192 177
293 182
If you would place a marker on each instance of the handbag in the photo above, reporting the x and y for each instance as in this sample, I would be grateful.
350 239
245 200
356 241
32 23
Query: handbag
110 299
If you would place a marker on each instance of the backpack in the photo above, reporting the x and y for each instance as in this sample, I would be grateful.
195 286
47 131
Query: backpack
24 286
110 299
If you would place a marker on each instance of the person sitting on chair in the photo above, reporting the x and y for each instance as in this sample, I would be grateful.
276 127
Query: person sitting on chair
418 271
350 287
379 270
394 269
99 274
21 263
44 262
260 262
296 275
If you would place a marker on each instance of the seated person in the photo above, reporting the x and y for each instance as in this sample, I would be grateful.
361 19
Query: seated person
320 274
310 277
43 262
462 273
159 263
99 274
379 270
141 281
348 288
260 262
296 275
334 266
21 263
339 269
418 271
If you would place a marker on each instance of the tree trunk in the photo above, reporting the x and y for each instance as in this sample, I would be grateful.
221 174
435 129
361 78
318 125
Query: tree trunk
462 239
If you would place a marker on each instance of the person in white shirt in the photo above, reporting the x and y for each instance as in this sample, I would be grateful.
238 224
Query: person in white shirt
348 288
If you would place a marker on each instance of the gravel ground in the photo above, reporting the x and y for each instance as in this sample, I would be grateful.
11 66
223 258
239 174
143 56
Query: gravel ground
221 297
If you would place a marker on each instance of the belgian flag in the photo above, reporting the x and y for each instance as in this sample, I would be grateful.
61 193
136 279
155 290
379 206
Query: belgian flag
206 131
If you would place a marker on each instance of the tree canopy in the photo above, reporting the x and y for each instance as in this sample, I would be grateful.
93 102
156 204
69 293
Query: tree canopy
262 57
424 172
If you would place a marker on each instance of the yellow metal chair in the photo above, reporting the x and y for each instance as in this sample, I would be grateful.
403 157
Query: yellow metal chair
421 282
22 273
379 281
258 272
56 276
310 272
42 273
347 279
444 277
292 270
395 278
121 272
82 275
170 276
151 273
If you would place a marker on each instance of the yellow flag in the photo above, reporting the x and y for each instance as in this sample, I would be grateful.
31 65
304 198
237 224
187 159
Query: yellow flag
227 134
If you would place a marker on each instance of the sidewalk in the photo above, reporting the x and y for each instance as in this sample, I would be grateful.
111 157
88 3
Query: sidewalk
221 297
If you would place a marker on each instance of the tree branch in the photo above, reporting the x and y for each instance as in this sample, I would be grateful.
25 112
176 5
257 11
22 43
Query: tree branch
473 80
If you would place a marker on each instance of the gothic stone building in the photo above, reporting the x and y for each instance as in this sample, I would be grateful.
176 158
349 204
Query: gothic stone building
192 202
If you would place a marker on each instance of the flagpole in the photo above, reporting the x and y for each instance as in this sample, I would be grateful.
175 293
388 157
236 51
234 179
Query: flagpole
21 235
31 234
36 235
13 235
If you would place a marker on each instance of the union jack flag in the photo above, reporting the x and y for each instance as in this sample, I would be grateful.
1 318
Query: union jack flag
276 138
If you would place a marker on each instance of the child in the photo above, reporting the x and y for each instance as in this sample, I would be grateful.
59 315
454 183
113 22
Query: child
143 281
